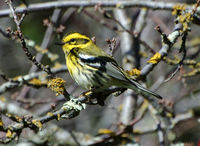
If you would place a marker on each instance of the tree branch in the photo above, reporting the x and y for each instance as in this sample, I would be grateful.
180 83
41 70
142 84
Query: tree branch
155 5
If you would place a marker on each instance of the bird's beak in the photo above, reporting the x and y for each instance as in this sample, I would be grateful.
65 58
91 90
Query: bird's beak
59 43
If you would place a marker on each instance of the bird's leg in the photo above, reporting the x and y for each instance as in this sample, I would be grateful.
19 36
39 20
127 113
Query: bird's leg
97 94
89 96
94 96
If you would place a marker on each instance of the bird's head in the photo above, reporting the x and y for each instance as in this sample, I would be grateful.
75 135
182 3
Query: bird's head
75 40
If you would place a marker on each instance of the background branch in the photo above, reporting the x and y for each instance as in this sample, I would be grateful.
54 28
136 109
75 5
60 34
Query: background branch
65 4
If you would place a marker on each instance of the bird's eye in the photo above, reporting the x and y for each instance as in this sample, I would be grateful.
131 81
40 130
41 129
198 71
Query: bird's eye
72 40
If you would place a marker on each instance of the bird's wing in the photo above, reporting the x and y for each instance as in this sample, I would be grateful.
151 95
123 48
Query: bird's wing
115 71
105 64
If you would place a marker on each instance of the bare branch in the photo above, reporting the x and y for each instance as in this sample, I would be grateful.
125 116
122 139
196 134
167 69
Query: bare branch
164 50
65 4
19 82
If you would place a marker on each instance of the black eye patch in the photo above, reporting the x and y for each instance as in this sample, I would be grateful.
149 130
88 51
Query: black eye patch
72 40
78 41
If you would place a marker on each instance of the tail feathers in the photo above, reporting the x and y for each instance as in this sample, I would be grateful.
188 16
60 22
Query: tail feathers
140 87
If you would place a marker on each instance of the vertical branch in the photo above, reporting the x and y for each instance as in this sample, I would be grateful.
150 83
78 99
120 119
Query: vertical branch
47 36
130 46
140 23
126 48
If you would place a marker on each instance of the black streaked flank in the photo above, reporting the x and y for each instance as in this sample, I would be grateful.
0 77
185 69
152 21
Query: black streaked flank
97 79
99 73
87 76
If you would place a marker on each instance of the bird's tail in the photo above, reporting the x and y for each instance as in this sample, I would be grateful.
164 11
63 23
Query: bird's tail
140 87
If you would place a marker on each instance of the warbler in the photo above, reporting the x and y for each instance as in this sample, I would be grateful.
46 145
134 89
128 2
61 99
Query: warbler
93 68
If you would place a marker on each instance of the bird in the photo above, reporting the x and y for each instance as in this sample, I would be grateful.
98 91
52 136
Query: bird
92 68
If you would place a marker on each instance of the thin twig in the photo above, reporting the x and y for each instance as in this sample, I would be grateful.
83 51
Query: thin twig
182 49
46 39
4 33
23 43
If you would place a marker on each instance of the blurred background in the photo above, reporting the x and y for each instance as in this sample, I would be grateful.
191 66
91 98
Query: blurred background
43 29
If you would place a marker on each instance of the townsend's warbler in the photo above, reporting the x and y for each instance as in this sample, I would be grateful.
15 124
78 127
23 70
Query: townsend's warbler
92 68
